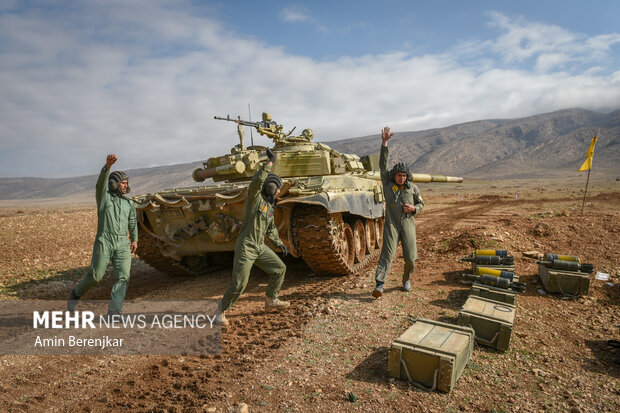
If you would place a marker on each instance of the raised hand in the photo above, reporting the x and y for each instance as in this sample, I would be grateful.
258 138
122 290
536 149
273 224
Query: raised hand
110 160
386 135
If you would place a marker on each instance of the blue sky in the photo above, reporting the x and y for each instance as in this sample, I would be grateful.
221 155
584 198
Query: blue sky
144 78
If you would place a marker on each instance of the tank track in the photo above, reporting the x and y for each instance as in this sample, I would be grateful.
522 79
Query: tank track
316 236
148 251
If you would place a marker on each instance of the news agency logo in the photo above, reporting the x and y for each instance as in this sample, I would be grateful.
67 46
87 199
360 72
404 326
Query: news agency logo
87 319
43 327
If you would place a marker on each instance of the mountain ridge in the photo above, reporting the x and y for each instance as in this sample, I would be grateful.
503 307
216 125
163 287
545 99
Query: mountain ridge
544 145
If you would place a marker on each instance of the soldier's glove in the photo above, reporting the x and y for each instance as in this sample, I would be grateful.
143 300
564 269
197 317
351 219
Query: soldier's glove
270 155
284 250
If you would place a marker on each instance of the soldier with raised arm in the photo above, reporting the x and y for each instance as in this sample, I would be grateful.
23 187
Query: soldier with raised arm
116 215
250 248
402 202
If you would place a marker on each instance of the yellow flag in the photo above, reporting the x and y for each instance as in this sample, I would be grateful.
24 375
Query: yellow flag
587 165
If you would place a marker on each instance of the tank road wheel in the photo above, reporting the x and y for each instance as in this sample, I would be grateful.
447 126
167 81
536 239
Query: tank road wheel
195 263
379 232
347 244
371 242
359 238
325 242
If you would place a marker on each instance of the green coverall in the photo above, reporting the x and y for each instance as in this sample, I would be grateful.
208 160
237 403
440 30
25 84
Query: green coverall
250 248
397 226
115 215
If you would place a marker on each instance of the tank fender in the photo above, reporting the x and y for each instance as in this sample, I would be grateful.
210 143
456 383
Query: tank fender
356 203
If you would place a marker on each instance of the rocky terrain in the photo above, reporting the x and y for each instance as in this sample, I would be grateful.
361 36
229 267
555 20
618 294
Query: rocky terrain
328 352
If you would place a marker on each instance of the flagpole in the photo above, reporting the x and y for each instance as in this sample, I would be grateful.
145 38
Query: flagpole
584 195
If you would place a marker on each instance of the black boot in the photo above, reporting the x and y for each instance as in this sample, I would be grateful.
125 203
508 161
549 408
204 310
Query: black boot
72 301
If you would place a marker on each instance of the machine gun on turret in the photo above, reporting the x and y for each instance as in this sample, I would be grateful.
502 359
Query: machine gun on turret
267 127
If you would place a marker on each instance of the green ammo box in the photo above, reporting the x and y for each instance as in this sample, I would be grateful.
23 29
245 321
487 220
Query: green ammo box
569 283
510 268
431 354
491 320
493 293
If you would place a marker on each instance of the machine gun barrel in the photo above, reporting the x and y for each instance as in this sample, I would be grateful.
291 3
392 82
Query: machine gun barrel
497 282
239 121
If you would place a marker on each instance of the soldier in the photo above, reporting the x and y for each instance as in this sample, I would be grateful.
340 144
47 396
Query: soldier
250 248
115 216
402 202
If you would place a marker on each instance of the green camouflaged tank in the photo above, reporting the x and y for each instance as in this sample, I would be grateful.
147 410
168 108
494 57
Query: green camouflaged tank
329 211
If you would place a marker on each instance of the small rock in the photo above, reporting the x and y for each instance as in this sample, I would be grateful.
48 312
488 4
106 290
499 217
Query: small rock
533 254
242 408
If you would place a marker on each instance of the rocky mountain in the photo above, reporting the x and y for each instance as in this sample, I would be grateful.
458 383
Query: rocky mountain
546 145
550 144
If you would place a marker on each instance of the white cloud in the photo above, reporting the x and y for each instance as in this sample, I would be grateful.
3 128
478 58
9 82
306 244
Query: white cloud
294 14
552 47
144 81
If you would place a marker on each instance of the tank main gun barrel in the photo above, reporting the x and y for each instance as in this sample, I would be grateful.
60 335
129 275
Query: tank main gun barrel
424 178
434 178
200 174
567 265
497 282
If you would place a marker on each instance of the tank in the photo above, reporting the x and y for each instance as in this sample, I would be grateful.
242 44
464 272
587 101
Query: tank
329 211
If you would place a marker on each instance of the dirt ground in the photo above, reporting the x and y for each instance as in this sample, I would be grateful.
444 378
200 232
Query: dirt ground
329 351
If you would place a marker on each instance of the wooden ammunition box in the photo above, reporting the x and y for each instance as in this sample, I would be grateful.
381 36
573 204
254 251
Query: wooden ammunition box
569 283
493 293
510 268
491 320
431 354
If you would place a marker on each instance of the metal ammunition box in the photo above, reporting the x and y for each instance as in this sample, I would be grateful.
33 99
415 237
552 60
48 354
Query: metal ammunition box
491 320
493 293
431 354
569 283
510 268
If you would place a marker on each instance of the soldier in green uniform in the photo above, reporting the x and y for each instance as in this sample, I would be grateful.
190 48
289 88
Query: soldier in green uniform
250 248
402 202
116 215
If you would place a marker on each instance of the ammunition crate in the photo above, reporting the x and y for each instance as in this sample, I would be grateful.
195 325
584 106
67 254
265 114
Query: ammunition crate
491 320
501 295
431 354
569 283
510 268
